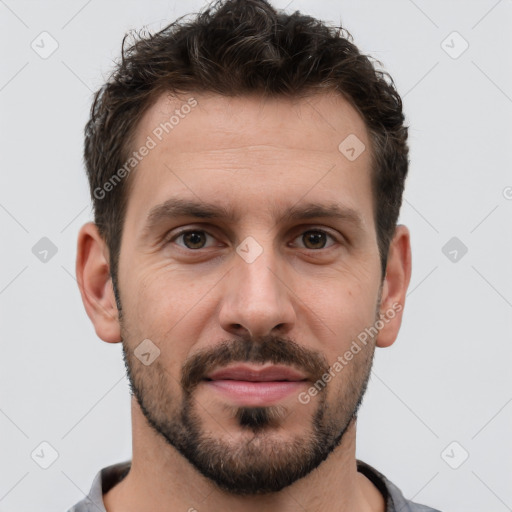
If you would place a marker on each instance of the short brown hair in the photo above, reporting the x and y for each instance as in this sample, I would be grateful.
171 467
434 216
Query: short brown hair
232 48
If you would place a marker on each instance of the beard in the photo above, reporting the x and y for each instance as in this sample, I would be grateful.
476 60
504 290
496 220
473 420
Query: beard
265 462
261 460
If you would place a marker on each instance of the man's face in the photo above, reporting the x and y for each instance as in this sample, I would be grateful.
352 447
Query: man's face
249 311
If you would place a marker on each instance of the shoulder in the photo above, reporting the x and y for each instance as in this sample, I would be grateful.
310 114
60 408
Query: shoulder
395 500
104 480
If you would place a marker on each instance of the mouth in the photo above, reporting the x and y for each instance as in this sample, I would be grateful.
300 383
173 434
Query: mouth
255 385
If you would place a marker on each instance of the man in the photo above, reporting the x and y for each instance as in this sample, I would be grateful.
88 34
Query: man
246 169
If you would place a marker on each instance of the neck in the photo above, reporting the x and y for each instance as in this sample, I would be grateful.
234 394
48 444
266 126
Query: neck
161 480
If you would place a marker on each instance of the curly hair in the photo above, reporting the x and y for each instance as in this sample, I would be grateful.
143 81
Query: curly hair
235 48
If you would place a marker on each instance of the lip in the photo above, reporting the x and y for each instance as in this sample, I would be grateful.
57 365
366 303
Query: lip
255 385
260 373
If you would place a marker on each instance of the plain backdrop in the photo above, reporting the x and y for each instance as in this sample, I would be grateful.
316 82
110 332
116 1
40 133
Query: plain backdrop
437 416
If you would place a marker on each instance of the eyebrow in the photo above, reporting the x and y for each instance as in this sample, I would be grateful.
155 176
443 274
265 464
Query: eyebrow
179 208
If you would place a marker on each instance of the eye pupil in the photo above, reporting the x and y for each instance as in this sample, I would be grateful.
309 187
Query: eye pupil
193 238
315 237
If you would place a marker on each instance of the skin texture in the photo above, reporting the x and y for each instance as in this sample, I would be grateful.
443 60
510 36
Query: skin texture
257 157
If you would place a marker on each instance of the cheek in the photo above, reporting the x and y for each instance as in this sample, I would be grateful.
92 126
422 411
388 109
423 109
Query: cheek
167 307
345 312
343 302
159 296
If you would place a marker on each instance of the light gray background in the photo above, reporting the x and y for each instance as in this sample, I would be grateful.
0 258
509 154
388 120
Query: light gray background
447 377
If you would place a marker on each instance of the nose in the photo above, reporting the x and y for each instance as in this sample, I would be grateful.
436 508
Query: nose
258 297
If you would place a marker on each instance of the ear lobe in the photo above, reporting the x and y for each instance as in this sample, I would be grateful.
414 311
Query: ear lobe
394 289
95 283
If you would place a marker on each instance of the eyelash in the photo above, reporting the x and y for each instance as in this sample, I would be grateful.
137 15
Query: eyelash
186 231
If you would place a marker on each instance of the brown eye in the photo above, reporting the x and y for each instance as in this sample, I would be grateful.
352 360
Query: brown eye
315 239
192 239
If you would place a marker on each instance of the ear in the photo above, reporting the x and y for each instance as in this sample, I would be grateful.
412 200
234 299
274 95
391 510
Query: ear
95 283
394 288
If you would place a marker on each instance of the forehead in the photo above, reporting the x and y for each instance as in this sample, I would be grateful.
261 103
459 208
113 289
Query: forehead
221 122
247 151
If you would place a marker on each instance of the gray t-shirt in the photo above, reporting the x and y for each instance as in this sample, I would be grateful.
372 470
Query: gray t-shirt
112 475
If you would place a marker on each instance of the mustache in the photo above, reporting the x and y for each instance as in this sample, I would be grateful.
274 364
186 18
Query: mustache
247 349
